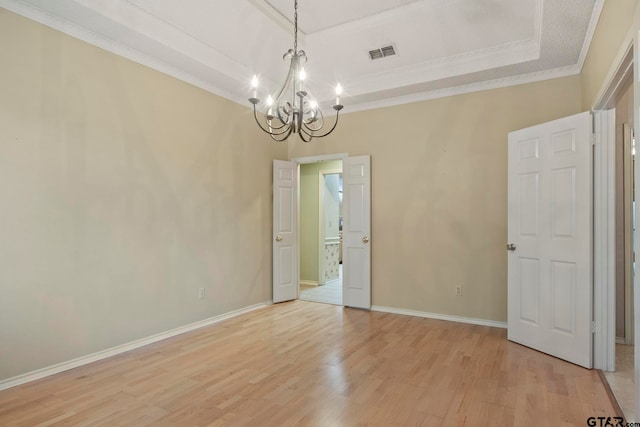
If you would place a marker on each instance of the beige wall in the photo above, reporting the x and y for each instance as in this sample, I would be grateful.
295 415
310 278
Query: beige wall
309 217
439 192
615 23
123 191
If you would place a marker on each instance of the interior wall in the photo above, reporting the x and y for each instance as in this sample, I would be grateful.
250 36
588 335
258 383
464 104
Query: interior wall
624 114
123 192
309 217
331 206
439 192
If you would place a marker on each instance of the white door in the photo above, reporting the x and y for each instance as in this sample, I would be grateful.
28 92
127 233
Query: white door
356 232
285 231
549 226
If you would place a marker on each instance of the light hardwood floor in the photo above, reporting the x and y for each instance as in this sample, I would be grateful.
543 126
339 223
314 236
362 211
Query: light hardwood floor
318 364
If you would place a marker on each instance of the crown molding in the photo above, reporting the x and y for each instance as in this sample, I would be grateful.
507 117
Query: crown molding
43 17
591 29
423 72
457 65
217 57
571 70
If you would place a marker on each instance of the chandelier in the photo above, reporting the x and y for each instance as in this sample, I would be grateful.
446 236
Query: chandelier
293 110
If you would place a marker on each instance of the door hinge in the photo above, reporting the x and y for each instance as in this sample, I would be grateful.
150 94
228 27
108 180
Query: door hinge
593 327
593 139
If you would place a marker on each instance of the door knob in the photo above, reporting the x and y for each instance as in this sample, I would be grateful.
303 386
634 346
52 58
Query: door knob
278 238
365 239
511 247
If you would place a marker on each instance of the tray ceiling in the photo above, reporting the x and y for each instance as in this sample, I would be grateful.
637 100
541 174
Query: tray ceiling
443 47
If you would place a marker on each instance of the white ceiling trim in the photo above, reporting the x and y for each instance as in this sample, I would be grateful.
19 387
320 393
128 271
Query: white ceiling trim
537 25
34 13
571 70
591 29
146 22
465 63
471 61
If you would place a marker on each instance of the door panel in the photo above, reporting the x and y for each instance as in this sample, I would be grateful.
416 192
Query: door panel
529 290
356 289
549 221
285 231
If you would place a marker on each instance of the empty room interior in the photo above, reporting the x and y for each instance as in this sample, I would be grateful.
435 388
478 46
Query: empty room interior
422 214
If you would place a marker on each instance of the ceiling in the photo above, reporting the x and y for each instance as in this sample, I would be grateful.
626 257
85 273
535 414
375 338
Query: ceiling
444 47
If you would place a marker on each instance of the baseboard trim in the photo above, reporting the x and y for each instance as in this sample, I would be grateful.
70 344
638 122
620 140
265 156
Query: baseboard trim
309 282
84 360
437 316
620 340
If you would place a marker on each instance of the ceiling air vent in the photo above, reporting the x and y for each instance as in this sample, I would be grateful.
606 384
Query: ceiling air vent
382 52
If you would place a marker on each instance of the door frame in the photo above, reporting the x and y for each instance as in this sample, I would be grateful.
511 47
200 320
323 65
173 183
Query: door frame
604 201
628 166
604 247
321 230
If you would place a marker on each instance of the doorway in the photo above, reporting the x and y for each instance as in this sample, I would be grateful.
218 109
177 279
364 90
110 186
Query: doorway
621 380
321 232
356 229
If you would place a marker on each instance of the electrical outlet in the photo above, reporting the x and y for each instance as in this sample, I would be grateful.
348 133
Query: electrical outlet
459 290
201 293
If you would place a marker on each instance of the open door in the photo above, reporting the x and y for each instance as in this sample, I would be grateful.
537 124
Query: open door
285 231
550 234
356 232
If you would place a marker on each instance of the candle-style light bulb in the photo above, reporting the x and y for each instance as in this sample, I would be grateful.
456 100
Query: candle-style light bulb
269 111
302 75
338 93
254 85
313 104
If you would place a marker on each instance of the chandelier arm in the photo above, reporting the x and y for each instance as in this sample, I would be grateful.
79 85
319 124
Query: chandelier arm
320 121
255 116
281 110
287 80
277 127
287 134
332 128
302 133
284 130
311 129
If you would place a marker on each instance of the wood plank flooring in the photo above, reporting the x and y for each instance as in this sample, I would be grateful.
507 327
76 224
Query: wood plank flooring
301 363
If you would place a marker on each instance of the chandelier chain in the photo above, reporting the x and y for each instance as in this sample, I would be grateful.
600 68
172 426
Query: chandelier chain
295 27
